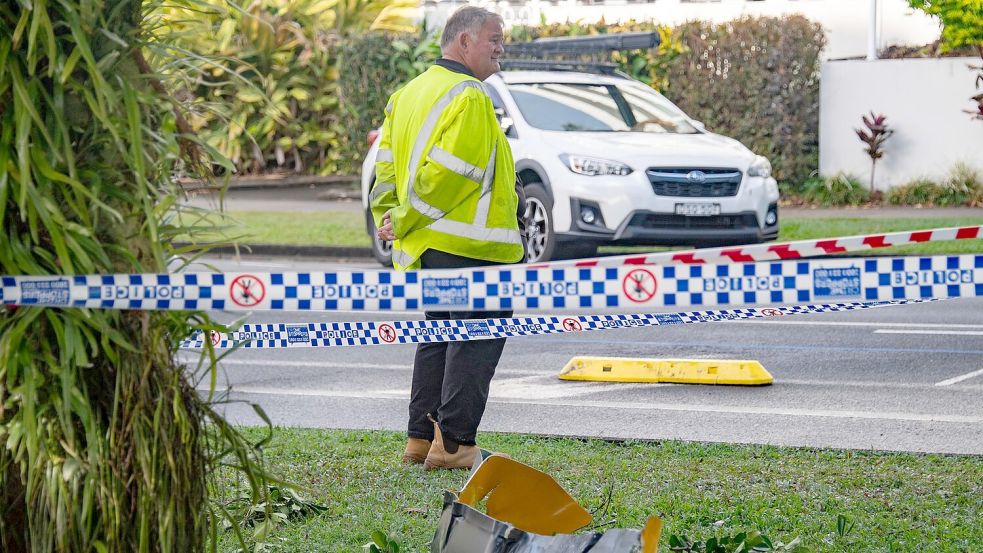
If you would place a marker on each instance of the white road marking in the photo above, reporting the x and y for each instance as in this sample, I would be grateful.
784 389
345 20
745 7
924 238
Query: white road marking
390 313
742 410
933 332
523 388
317 364
549 375
844 323
331 365
630 406
960 378
534 387
868 384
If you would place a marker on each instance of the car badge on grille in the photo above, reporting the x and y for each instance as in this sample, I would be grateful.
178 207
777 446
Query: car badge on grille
696 177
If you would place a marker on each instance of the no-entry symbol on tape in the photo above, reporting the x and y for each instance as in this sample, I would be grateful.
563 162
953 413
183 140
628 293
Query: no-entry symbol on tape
572 325
247 290
387 333
639 285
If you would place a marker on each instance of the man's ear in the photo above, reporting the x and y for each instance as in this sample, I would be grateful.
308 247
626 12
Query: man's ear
464 41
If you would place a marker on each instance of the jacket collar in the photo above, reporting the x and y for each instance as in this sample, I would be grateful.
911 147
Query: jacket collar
454 66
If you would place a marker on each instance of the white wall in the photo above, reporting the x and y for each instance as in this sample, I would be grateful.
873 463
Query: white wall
846 21
923 100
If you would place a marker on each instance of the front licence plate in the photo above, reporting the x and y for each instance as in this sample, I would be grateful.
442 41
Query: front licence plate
698 210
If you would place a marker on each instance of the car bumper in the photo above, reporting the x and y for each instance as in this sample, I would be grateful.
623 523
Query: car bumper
627 211
666 229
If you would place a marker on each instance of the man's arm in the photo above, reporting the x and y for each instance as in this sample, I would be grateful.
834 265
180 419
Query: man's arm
520 211
382 198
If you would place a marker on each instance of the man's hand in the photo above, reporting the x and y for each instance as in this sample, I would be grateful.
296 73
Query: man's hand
385 232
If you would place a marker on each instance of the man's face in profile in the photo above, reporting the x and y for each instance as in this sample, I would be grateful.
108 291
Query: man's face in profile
483 52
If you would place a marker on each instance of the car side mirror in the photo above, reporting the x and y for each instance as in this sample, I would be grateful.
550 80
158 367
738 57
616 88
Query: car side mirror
699 125
507 124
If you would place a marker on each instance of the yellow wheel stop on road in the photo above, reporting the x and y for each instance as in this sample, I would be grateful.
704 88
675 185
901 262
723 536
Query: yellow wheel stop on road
680 371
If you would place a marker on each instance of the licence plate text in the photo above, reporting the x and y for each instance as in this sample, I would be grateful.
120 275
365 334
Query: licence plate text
698 210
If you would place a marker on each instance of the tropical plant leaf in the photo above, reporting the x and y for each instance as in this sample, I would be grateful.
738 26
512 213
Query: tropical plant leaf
105 444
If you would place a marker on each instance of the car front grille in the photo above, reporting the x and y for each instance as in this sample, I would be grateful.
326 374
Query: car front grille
693 182
667 220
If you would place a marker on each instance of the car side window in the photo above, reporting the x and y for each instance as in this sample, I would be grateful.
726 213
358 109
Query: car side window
500 111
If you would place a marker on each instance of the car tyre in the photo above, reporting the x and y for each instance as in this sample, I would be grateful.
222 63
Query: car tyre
538 217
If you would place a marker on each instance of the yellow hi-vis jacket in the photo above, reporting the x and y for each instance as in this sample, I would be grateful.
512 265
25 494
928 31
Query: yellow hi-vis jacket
444 172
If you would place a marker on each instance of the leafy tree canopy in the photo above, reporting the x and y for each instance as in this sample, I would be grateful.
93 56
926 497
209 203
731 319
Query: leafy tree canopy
962 20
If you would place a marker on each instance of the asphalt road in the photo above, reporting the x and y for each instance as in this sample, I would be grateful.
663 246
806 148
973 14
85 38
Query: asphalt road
905 378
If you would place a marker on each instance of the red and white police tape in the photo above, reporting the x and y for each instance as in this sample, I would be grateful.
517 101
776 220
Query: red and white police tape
799 249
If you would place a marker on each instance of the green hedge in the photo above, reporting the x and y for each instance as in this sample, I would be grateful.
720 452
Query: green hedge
756 80
753 79
302 101
963 186
376 64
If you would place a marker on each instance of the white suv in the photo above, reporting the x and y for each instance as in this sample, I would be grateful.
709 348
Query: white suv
607 160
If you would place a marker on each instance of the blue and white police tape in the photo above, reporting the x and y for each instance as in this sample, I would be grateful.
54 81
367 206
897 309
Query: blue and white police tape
505 287
372 333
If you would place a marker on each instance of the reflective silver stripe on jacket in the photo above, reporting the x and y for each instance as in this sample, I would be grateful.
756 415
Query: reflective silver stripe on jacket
384 155
402 258
379 189
478 229
481 211
457 164
421 143
474 232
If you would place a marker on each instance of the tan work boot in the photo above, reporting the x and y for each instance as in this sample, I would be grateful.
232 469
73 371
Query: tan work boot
416 450
439 458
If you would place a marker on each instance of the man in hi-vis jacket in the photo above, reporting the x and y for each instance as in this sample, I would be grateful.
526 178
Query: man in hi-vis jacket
445 194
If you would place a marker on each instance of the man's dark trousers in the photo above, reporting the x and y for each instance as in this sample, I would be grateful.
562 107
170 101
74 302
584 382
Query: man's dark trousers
451 379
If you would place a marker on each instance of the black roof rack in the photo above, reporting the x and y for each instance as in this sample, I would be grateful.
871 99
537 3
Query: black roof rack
578 53
580 45
560 65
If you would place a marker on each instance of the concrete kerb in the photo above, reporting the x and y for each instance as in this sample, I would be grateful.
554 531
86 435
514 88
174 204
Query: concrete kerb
341 253
258 182
286 250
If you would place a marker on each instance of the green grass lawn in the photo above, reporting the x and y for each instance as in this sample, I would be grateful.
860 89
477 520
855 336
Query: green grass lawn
329 228
338 228
897 502
802 229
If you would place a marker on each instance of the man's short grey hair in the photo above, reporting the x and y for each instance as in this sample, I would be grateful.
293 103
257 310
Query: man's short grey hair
468 19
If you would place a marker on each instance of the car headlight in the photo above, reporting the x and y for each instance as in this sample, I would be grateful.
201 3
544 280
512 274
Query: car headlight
760 168
592 166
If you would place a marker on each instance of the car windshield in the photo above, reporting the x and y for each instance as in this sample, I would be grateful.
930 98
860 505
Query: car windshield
598 108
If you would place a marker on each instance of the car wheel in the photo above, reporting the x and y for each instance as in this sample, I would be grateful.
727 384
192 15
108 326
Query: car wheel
382 250
538 218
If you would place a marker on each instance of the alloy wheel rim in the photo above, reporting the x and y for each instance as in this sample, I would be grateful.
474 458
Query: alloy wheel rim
537 224
385 246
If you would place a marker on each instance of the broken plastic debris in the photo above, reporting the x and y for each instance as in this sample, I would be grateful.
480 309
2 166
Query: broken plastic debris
527 512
